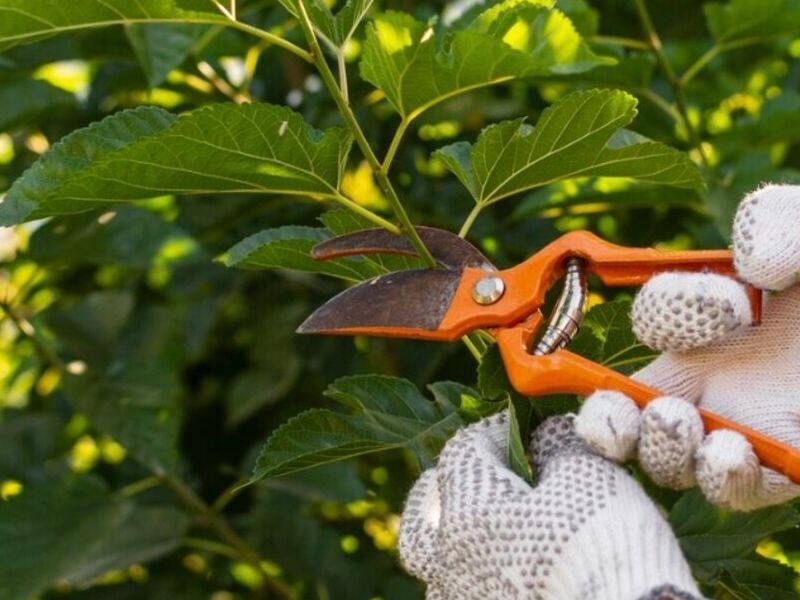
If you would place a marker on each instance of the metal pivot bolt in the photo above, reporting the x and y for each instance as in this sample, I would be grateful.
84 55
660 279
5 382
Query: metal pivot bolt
488 290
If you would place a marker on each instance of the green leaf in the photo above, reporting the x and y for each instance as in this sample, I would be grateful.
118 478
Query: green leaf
383 413
162 47
126 236
144 153
418 66
579 135
40 99
492 379
69 528
334 30
519 410
26 21
138 408
606 337
714 540
335 482
290 247
38 192
746 21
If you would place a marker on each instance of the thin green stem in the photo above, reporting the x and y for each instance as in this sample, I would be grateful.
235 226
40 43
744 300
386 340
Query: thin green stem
395 144
468 222
654 41
209 546
137 487
329 79
366 213
700 64
473 349
273 39
218 523
342 74
660 102
614 40
229 494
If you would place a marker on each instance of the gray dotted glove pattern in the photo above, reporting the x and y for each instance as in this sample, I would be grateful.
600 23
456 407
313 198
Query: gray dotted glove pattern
713 358
473 530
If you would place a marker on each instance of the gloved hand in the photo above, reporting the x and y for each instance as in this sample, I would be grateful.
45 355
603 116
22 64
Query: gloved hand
713 358
473 530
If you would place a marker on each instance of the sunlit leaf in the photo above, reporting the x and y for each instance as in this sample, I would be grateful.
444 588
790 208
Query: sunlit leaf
416 65
147 152
581 134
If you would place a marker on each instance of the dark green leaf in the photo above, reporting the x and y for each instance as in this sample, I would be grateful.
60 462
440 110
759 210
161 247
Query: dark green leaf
745 21
290 248
127 236
335 482
162 47
25 21
512 157
69 528
24 100
492 379
255 148
606 337
519 410
417 66
713 540
384 413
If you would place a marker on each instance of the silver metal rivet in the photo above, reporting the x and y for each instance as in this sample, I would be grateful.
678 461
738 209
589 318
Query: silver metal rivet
488 290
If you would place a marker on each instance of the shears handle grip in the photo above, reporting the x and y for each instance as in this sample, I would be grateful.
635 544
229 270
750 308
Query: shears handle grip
566 372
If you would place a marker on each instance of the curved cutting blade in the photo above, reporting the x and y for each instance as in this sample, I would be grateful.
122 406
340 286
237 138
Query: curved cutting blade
404 303
446 247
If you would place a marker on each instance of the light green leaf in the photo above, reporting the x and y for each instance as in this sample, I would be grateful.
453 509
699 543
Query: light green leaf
69 528
750 21
40 99
335 30
418 66
384 413
254 148
25 21
581 134
162 47
290 247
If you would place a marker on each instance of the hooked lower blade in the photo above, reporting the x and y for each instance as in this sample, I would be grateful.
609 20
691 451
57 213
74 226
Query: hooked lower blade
446 247
406 303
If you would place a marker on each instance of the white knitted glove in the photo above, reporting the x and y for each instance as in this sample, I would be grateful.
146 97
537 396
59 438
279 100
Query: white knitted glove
713 358
473 530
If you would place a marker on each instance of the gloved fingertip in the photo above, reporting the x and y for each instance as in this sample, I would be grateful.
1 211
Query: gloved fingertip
675 312
555 435
728 471
670 434
766 237
608 422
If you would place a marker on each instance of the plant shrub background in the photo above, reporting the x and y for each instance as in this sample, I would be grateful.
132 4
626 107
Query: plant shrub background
148 361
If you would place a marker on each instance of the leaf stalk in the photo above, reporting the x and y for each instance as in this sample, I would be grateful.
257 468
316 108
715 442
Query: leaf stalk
329 79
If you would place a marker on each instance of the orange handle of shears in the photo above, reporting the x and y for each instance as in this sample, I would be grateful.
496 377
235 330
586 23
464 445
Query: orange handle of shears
566 372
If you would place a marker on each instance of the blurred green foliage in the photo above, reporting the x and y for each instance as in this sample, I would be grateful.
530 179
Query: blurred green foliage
148 361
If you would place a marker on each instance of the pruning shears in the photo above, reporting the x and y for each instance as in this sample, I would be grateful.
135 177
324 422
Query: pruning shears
469 293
